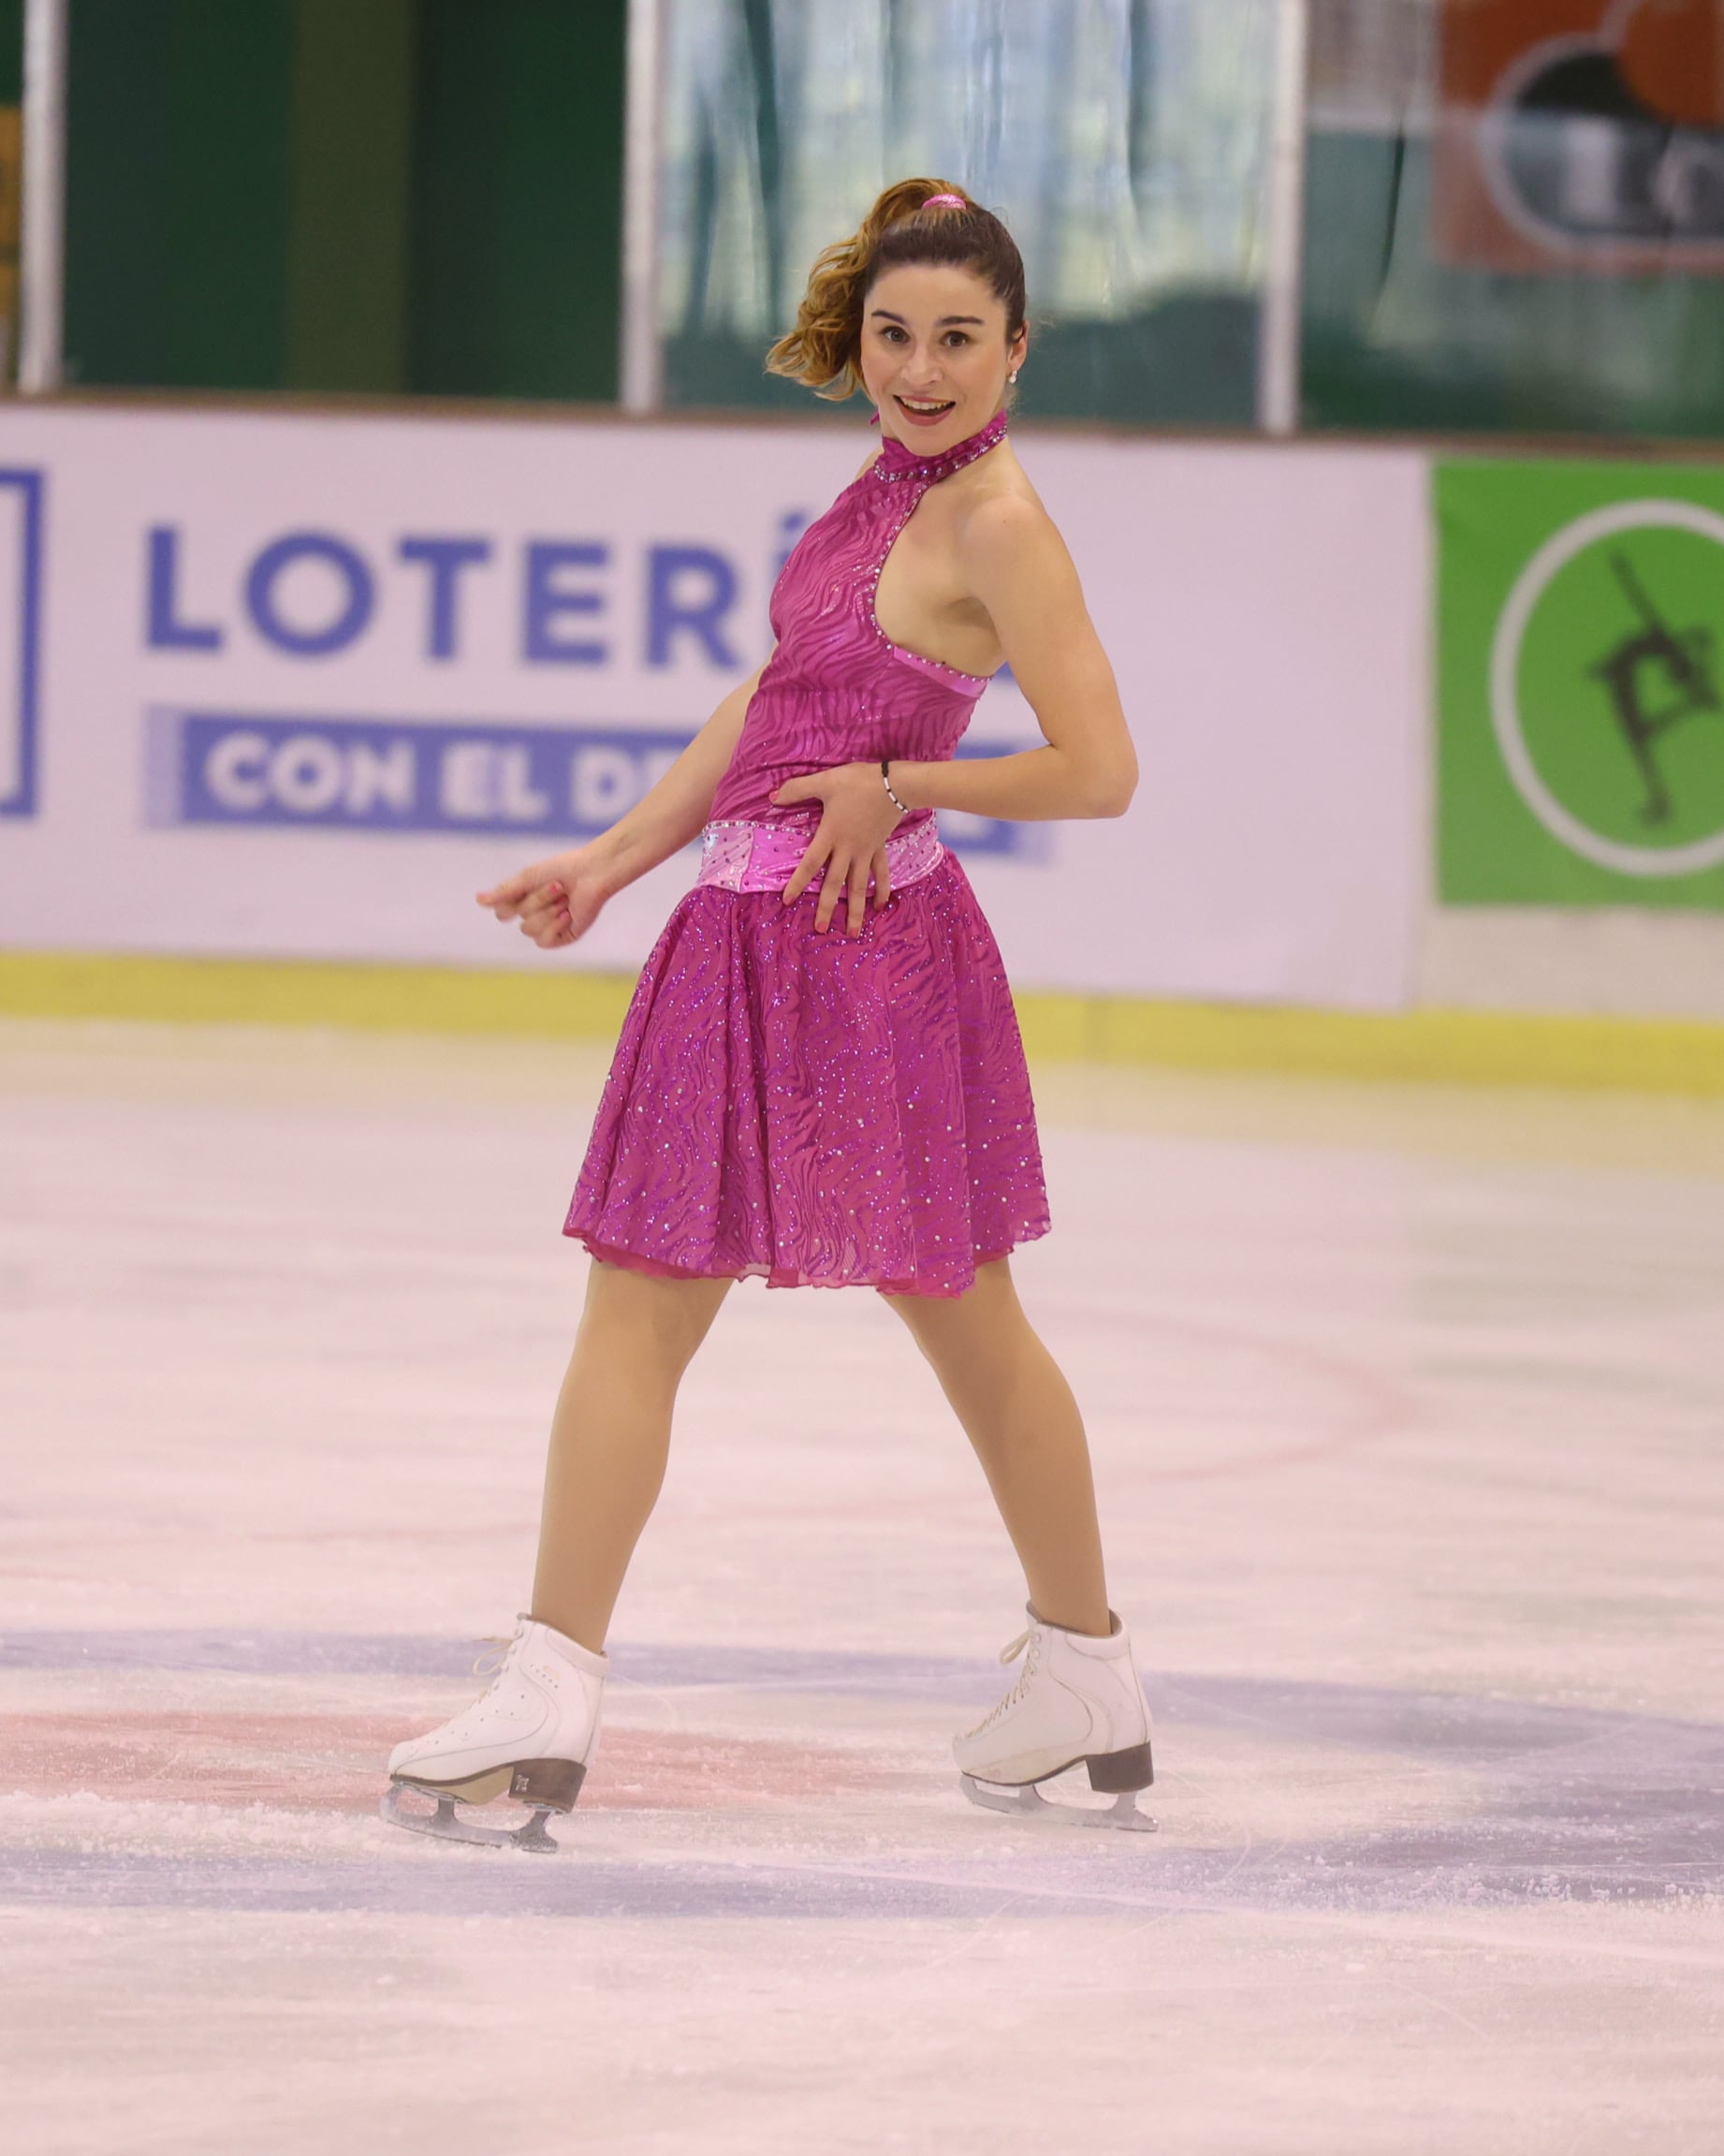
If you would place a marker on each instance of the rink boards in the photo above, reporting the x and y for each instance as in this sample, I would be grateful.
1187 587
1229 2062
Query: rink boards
301 683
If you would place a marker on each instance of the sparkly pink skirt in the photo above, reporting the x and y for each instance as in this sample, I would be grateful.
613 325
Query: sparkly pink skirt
816 1110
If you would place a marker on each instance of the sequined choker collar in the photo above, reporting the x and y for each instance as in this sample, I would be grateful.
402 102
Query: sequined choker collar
897 461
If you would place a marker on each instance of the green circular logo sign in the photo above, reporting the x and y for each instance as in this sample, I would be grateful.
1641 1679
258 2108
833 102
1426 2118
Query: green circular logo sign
1607 687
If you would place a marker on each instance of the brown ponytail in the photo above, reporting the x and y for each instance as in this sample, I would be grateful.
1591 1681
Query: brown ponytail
825 347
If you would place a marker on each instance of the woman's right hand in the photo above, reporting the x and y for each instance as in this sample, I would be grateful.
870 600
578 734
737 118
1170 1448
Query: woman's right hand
556 900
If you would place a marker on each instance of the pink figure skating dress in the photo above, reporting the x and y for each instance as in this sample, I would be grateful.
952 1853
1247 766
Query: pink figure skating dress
824 1110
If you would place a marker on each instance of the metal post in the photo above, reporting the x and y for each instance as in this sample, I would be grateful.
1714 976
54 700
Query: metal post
43 250
641 368
1278 323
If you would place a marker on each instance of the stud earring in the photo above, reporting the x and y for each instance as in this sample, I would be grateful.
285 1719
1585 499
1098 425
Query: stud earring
1012 376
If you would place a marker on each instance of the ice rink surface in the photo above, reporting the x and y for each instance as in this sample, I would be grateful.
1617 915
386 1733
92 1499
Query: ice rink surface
1408 1409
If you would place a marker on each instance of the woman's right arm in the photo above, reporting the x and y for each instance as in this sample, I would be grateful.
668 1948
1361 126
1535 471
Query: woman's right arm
558 899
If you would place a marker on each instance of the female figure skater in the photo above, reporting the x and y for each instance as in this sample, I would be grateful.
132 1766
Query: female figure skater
819 1080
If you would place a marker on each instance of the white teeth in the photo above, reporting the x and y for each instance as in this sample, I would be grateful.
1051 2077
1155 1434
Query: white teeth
910 404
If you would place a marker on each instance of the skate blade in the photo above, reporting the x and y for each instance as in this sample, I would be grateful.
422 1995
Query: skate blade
446 1824
1027 1802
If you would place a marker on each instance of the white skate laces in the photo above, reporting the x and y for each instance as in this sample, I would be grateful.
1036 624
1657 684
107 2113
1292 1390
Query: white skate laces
1008 1655
1075 1702
531 1734
498 1651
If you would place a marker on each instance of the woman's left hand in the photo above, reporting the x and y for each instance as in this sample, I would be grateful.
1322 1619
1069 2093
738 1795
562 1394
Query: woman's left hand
857 820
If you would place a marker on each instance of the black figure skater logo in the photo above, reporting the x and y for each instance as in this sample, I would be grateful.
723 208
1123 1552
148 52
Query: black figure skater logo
1678 660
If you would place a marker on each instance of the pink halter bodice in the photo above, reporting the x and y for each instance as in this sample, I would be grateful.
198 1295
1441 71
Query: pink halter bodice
836 691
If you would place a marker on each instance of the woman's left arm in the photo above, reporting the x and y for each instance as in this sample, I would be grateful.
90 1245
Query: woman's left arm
1017 564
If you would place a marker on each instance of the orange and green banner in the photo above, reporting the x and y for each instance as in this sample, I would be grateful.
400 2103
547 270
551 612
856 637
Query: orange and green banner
1581 135
1579 651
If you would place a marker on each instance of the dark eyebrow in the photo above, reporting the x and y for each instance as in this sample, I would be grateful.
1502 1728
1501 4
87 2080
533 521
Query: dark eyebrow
945 321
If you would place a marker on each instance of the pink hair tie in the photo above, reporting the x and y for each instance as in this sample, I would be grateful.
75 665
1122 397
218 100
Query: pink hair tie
940 202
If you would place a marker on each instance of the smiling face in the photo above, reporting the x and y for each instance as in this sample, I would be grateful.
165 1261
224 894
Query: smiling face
934 353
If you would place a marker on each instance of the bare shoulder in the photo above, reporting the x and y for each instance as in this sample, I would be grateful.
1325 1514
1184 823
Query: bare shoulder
1002 515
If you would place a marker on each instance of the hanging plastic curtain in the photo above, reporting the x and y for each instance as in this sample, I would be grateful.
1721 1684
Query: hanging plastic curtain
1124 141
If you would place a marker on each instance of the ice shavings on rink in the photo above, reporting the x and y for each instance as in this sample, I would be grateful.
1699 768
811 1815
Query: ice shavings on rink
1478 1800
1405 1407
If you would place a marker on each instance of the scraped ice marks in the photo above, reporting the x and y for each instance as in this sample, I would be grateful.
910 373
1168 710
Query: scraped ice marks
290 1762
336 1763
693 1770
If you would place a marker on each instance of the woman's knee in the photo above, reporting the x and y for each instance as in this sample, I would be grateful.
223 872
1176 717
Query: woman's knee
947 1323
664 1317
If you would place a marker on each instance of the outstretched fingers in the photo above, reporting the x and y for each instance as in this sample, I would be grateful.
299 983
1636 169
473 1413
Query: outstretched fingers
813 861
847 878
856 898
843 877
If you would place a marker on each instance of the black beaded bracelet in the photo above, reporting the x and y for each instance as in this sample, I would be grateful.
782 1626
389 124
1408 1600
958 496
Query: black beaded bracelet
886 776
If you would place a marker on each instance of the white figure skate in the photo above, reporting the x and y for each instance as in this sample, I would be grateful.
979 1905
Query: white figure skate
1076 1700
533 1734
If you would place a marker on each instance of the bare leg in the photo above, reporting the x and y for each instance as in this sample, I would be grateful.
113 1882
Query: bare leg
1018 1412
610 1437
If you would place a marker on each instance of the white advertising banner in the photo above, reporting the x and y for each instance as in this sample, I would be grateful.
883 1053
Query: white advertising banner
296 685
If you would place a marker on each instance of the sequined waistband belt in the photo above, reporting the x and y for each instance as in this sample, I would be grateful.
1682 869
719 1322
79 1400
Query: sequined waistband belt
745 857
